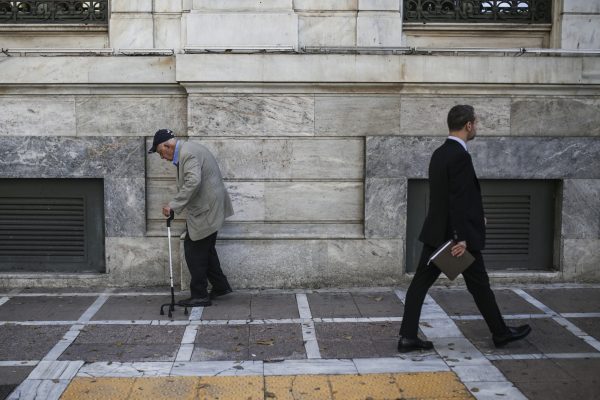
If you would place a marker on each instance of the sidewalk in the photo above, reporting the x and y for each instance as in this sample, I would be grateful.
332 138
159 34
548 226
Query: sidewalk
324 344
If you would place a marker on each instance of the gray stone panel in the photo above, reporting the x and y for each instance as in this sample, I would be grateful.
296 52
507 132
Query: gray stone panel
581 209
40 116
251 115
460 302
125 207
308 263
399 157
426 116
500 158
313 201
555 117
581 258
363 262
141 261
357 115
63 157
136 308
130 116
385 207
310 158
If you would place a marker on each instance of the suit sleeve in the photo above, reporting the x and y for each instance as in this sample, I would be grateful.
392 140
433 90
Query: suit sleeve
192 177
458 182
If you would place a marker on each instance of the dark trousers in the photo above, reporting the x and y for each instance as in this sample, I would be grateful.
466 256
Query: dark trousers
478 284
203 263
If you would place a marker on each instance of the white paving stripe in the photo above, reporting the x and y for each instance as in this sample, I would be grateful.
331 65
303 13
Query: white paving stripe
542 356
187 343
568 325
309 334
28 363
4 300
581 315
50 378
463 358
93 309
508 316
535 302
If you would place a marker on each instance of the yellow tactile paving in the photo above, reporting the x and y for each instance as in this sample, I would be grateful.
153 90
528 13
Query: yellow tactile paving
417 386
232 388
176 387
313 387
354 387
426 385
99 389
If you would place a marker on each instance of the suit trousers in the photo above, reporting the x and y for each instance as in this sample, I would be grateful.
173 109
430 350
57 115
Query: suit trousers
203 263
478 284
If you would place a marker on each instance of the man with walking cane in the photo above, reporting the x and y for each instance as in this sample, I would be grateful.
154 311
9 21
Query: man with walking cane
202 193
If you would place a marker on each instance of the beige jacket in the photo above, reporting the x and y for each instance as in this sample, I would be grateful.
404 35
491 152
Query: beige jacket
201 191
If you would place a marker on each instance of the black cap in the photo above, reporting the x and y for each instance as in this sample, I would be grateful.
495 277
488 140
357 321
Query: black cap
161 135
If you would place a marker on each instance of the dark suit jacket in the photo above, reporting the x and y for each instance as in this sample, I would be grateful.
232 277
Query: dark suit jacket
455 207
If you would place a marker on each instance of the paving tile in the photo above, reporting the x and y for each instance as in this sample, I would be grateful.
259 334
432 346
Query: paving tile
29 342
532 370
75 289
547 336
269 342
379 304
558 390
460 302
221 342
152 289
91 352
11 377
582 369
45 308
357 340
347 349
591 326
478 333
569 300
105 334
274 306
143 334
332 305
233 306
136 308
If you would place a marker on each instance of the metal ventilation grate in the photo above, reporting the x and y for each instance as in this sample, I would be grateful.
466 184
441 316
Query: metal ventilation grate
508 226
42 227
52 225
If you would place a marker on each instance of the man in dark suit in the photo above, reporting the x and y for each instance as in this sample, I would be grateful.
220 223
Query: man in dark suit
455 212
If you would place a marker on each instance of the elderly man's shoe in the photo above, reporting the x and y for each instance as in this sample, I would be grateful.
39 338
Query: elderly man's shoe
218 293
514 333
406 345
195 302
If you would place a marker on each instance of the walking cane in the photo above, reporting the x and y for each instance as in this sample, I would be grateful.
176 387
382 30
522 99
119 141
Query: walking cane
172 303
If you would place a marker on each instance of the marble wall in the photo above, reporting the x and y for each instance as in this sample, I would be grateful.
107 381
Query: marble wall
391 161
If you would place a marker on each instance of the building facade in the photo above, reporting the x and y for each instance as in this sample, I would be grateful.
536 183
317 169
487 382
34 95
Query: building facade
322 115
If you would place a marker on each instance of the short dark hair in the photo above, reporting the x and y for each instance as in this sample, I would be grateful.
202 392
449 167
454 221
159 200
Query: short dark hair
458 116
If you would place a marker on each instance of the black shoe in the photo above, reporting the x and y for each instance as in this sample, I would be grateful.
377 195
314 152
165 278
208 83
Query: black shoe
195 302
406 345
514 333
218 293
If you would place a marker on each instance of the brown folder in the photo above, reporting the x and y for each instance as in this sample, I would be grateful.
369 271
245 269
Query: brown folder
451 266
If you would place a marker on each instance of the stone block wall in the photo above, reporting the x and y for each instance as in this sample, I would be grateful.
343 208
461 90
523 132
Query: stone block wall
316 151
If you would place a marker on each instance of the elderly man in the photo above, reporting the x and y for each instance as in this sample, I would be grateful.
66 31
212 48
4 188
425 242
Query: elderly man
201 192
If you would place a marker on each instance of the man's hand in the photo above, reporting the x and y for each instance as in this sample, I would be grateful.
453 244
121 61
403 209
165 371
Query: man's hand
459 249
166 211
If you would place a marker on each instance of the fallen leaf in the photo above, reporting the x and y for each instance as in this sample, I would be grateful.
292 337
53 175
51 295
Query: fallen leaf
270 395
266 342
475 390
378 298
348 337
